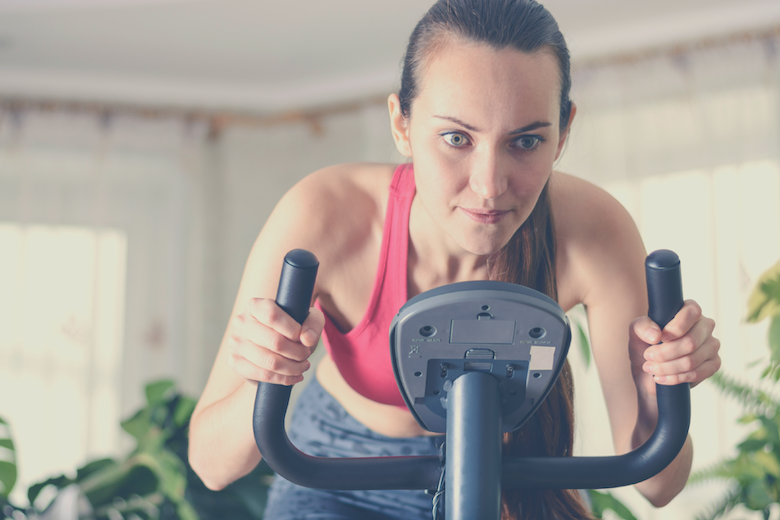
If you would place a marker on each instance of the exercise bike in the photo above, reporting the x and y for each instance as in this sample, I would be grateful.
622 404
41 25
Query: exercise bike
474 360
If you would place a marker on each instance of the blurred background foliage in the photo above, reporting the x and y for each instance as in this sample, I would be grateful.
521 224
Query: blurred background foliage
155 481
753 473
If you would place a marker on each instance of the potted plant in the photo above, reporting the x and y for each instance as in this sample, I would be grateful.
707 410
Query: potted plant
154 481
753 474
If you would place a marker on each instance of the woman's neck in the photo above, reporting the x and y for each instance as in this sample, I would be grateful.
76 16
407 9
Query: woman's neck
434 258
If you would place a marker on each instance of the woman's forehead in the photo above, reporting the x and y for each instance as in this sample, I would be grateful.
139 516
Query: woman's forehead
475 78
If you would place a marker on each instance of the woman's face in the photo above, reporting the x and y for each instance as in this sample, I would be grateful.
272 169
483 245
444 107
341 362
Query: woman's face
483 134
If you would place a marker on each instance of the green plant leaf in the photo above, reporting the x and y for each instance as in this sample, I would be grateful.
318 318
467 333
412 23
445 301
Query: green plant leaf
171 471
774 339
91 468
584 345
8 471
752 398
722 506
745 469
139 424
756 496
59 482
752 445
747 418
771 371
185 511
721 470
158 392
146 427
132 477
765 299
602 502
8 476
772 432
184 408
768 463
105 480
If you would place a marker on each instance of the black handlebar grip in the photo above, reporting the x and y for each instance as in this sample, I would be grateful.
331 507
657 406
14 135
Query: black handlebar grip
664 286
665 299
296 283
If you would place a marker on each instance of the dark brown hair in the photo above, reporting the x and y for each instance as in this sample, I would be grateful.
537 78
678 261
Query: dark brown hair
524 25
529 257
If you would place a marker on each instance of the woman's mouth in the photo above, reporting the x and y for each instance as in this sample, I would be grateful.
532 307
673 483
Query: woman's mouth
484 216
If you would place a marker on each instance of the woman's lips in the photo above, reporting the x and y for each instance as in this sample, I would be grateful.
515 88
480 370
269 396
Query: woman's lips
484 216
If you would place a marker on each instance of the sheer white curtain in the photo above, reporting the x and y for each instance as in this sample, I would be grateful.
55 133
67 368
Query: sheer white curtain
96 234
122 242
689 142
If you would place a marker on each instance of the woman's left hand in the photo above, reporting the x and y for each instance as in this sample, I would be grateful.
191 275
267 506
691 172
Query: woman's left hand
684 352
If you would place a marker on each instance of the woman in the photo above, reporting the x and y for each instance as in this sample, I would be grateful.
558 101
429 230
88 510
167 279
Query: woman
482 114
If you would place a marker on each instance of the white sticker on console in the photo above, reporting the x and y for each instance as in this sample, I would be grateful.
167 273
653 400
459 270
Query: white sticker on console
542 358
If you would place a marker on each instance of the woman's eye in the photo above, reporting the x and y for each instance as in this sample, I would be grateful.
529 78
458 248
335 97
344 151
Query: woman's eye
528 142
456 139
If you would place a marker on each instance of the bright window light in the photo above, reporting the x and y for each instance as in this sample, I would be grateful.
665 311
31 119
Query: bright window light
62 292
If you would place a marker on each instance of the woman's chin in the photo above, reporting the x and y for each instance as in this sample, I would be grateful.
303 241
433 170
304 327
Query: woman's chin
483 247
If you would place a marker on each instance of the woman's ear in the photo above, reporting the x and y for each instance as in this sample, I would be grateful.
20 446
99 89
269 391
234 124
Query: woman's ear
399 126
565 131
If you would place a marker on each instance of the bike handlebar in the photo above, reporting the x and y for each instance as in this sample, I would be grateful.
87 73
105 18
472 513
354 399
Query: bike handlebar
295 293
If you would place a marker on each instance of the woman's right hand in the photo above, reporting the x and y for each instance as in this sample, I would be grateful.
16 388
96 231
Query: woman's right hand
267 344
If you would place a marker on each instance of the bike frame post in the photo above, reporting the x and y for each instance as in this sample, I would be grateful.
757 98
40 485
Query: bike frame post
473 448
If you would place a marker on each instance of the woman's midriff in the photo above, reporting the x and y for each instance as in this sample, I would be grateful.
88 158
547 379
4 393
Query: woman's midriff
384 419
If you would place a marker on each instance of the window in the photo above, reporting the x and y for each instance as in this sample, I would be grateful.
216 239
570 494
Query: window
61 345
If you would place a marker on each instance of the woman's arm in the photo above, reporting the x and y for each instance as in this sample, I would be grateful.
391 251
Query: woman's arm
332 213
605 256
261 343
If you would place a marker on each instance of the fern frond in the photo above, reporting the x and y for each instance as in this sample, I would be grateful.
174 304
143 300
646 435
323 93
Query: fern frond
752 398
717 471
722 506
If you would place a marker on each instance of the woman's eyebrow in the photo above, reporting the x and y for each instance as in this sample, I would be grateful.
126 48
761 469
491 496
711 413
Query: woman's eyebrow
532 126
522 129
459 122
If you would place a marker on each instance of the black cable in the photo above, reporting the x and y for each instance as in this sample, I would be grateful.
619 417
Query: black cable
438 497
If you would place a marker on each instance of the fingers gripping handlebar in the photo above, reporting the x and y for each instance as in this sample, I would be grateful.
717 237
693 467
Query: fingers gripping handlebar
664 287
296 286
294 296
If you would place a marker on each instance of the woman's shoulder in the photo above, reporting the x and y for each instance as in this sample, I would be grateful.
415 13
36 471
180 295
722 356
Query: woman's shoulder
596 236
331 187
335 211
342 194
580 206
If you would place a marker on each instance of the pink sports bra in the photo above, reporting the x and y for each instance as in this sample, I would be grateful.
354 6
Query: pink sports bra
362 355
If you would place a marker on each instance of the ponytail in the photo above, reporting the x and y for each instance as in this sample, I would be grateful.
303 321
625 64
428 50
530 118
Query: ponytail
529 259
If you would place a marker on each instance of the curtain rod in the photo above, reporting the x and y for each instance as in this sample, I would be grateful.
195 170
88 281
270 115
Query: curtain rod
218 120
678 48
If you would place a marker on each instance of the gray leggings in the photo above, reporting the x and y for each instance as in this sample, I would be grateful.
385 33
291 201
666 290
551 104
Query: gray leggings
321 427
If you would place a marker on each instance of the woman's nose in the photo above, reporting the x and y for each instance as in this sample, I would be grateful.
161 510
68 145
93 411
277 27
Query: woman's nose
487 179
